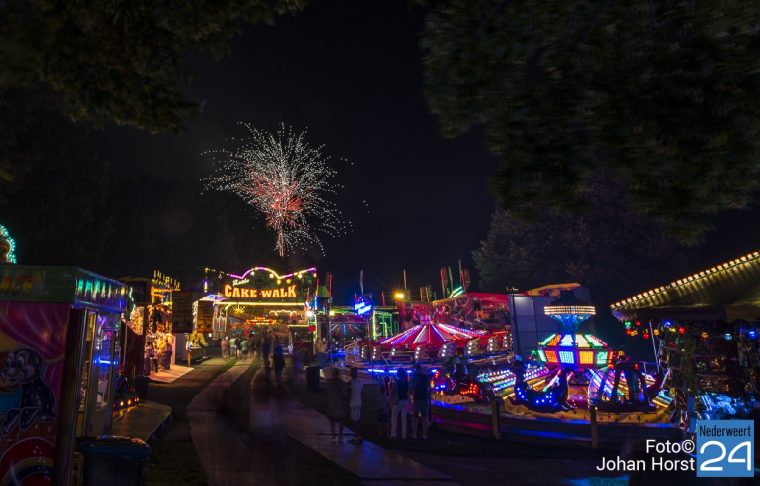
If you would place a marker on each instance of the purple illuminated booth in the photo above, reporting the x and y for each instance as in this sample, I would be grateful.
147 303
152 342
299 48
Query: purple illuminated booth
59 330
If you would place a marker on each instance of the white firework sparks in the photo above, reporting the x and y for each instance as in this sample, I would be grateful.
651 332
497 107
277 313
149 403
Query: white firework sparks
288 181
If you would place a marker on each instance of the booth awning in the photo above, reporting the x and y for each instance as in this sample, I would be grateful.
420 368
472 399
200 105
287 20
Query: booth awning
729 291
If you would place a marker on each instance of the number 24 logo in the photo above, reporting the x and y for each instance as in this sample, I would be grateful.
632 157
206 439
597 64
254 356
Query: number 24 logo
731 456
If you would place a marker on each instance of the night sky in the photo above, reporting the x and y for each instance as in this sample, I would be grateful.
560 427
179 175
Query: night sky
351 73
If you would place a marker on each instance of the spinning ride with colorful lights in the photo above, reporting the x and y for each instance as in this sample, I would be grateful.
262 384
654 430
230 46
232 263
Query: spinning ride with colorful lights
574 369
569 348
427 342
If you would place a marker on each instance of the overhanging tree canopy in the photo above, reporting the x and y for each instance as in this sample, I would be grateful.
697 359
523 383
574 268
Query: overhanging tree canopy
119 61
665 94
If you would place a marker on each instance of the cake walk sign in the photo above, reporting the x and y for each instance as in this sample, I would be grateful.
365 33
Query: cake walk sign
288 292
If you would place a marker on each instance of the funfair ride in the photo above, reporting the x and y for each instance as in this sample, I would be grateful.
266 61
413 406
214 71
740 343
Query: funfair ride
432 343
568 374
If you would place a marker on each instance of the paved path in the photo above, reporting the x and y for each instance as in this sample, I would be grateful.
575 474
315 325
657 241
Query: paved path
367 461
282 442
224 456
170 375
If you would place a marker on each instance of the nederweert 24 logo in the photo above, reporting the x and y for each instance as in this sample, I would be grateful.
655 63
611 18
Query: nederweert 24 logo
725 448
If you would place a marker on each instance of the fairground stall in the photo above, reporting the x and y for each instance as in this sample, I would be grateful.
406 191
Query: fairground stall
261 301
192 325
59 334
148 341
704 332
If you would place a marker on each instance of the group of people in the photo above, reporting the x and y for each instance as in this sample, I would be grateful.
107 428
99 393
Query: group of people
255 345
398 398
236 347
158 352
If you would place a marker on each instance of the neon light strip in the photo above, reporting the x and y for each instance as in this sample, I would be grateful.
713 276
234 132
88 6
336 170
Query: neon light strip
271 304
748 258
278 277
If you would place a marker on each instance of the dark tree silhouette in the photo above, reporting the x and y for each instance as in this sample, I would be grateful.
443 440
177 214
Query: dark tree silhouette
609 248
665 95
119 61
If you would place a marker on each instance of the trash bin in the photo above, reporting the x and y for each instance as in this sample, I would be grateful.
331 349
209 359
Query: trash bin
141 386
113 460
312 378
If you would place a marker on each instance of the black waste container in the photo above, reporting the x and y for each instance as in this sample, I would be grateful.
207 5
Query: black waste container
115 461
141 386
312 378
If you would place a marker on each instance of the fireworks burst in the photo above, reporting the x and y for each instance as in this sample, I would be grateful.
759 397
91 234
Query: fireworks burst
288 181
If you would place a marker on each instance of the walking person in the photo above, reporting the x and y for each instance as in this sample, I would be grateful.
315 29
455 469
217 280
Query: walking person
399 401
421 401
336 403
225 347
154 358
188 348
278 358
383 407
266 347
232 348
169 352
244 349
355 403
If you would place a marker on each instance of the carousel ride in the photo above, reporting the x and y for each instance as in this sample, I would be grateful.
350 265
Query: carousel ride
567 374
427 342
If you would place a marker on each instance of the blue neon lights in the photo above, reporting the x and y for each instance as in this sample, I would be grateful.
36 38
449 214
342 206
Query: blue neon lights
566 357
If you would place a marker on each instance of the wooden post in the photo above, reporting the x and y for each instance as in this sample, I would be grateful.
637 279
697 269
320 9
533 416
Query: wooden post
594 428
496 419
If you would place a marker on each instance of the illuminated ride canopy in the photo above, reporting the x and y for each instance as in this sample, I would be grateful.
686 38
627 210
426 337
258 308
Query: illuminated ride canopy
569 347
431 336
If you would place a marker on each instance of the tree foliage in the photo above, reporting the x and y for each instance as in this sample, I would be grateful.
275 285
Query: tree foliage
56 207
119 61
610 248
663 94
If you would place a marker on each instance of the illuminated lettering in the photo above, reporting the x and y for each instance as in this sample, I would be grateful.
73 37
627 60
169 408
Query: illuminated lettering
231 291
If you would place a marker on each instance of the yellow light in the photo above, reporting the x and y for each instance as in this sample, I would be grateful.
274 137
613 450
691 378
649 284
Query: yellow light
332 313
399 295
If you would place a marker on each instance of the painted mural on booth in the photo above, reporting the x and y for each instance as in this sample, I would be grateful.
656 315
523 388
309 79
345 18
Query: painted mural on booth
32 347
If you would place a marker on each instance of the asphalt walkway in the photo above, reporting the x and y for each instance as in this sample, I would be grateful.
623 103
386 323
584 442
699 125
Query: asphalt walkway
278 441
367 461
